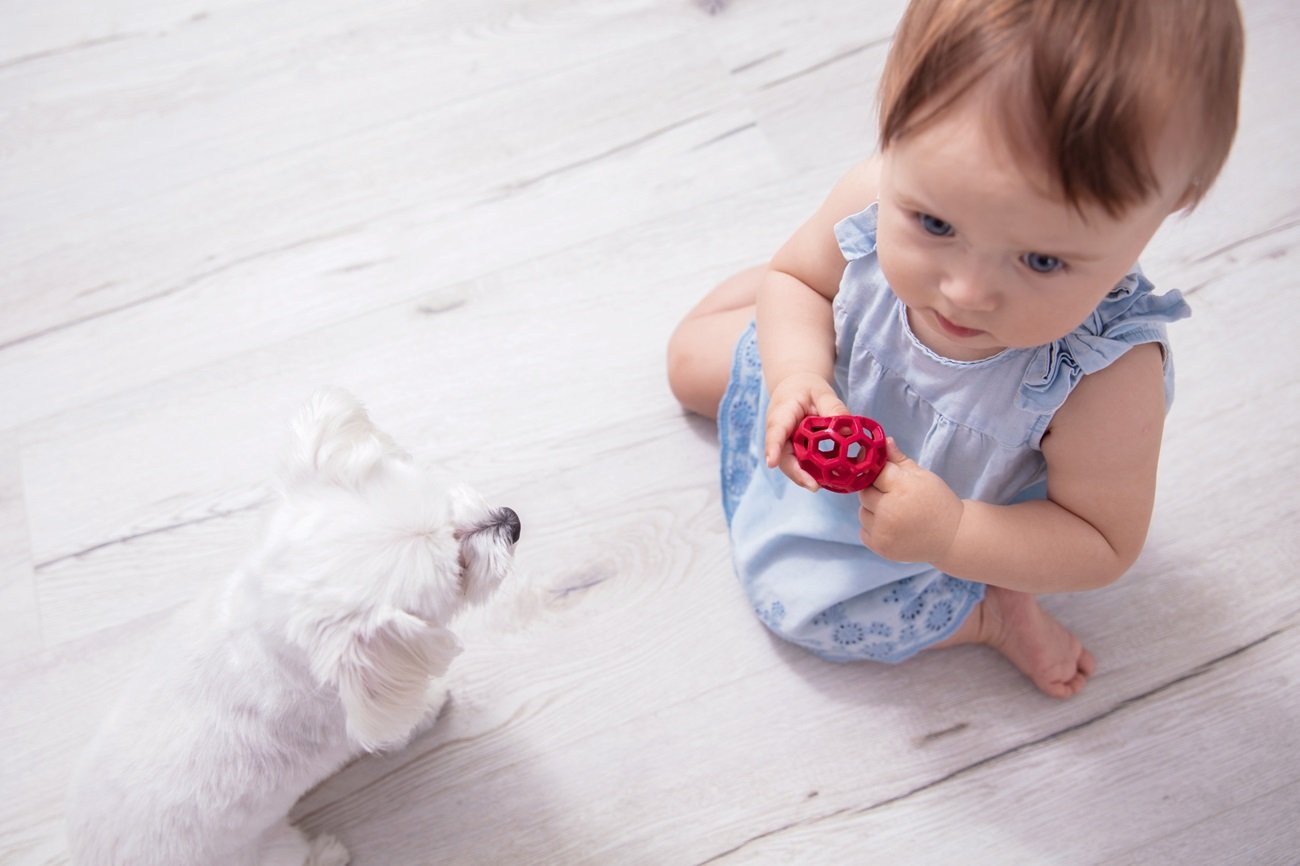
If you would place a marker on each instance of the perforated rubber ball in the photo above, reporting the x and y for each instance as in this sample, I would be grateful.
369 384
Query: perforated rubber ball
843 453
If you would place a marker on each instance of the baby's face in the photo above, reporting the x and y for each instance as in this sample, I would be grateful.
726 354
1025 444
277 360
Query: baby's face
982 253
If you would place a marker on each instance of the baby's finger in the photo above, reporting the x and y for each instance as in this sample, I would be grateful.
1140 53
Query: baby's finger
892 472
790 466
868 521
774 442
870 500
829 404
893 453
781 421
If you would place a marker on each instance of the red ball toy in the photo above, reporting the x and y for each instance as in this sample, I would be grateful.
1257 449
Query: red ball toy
843 453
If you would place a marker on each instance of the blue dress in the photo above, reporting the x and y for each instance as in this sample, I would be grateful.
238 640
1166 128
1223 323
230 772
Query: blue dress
977 424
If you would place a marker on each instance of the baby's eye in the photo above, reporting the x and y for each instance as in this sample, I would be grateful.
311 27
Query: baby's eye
1042 264
934 225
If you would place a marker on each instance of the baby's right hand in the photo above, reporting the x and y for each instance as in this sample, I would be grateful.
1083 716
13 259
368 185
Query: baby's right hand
794 398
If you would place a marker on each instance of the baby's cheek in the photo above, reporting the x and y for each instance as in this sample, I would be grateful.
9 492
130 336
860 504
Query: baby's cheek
906 272
885 253
1050 316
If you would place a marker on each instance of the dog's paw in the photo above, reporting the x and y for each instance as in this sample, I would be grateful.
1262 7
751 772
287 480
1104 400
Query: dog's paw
435 697
327 851
436 700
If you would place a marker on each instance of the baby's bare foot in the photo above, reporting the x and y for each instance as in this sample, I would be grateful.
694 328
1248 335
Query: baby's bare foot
1043 649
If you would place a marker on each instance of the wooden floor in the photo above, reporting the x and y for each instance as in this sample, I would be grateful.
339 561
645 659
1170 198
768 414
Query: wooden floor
484 217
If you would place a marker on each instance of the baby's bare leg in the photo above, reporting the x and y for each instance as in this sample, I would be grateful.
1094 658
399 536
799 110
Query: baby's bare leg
700 350
1043 649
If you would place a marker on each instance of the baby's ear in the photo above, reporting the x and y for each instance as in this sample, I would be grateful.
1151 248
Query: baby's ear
382 673
334 442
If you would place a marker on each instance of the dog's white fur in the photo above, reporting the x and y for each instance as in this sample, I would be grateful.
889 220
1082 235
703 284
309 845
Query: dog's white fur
323 644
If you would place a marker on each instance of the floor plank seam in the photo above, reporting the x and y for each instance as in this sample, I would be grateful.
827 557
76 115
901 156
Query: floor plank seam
515 186
829 61
774 832
126 539
1279 228
64 50
415 760
180 287
1127 703
745 67
724 136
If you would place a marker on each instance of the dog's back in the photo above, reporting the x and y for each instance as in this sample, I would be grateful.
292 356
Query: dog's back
207 748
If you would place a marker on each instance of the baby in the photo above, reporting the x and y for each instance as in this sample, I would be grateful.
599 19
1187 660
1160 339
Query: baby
990 316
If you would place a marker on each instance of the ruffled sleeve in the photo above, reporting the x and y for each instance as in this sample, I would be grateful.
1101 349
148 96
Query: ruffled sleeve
857 233
1129 316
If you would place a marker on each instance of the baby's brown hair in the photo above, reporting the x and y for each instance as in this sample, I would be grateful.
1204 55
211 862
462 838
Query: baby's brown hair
1087 83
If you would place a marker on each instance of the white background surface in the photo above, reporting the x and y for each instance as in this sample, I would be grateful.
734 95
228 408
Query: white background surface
484 217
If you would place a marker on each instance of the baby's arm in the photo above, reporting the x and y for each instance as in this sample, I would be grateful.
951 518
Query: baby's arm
1101 452
796 331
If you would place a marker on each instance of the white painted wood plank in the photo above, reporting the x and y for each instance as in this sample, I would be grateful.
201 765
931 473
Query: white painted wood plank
1248 833
811 71
359 220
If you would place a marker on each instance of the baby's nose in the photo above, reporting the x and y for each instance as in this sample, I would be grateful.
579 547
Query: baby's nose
971 293
510 521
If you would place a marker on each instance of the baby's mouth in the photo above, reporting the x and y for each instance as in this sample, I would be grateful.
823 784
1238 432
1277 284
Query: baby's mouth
953 328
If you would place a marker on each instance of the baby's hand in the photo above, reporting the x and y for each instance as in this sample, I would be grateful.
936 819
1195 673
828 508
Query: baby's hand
909 514
793 398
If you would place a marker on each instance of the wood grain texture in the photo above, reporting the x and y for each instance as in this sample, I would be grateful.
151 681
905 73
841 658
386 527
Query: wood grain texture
484 217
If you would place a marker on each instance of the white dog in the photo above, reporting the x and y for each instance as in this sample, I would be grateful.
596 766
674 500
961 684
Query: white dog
322 645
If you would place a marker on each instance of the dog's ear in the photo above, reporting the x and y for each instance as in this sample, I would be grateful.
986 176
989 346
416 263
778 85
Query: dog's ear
382 673
334 442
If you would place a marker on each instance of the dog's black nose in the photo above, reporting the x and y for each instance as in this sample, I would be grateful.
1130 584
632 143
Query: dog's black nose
510 521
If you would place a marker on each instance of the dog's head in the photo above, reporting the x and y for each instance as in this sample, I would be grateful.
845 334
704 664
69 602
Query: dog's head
368 558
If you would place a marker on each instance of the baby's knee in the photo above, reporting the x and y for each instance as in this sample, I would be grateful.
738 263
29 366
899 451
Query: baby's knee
682 360
697 372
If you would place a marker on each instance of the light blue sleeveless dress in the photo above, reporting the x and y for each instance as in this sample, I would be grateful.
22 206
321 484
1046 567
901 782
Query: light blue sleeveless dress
977 424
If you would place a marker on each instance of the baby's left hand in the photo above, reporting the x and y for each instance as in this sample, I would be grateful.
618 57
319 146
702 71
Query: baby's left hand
909 514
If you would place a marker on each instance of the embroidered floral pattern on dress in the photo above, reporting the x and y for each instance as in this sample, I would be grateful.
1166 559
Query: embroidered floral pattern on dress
737 415
771 615
856 629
